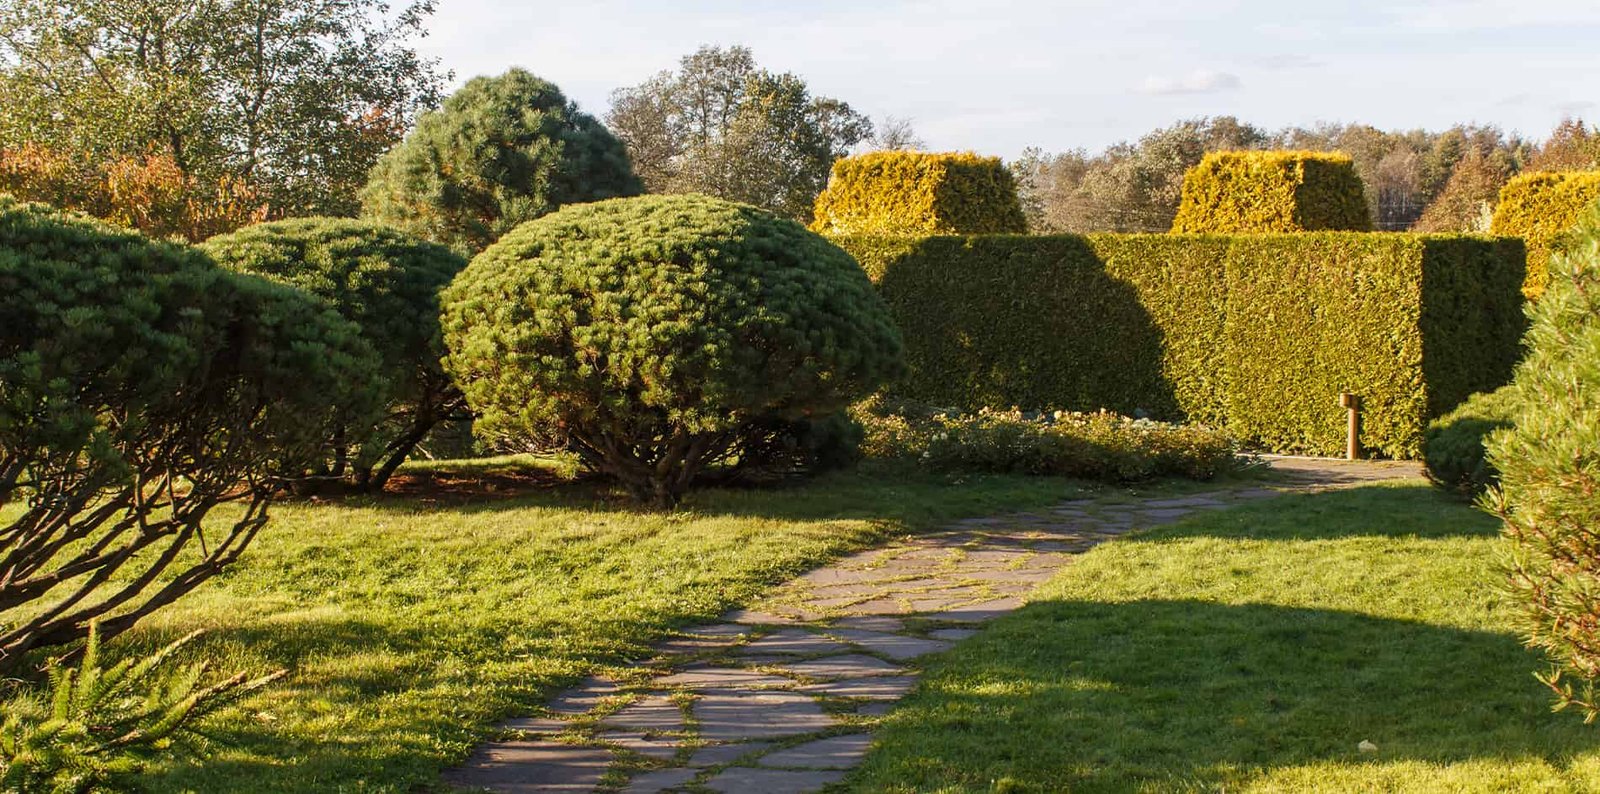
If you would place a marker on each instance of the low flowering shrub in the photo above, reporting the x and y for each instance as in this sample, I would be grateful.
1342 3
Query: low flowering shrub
1093 446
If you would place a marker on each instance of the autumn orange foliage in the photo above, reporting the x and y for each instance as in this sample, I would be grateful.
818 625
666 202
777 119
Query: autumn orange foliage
147 192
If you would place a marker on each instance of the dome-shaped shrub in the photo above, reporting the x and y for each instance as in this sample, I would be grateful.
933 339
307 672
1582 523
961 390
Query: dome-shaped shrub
502 150
651 334
141 386
388 283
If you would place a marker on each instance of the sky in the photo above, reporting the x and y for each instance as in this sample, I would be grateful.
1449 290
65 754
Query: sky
996 76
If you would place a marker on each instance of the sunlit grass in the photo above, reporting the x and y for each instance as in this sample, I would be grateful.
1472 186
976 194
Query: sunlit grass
1252 650
412 625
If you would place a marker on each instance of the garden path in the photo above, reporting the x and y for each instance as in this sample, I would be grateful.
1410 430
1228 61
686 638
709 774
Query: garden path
782 697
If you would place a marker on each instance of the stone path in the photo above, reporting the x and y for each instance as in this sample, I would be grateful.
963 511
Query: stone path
782 697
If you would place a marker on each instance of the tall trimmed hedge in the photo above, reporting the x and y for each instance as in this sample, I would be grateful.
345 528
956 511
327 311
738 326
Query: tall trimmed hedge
1258 334
1264 192
919 193
1542 208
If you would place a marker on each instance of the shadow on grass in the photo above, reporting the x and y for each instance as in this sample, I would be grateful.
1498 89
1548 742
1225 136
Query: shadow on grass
876 490
1190 694
1408 509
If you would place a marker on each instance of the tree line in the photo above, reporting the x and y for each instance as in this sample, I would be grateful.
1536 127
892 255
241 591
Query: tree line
193 117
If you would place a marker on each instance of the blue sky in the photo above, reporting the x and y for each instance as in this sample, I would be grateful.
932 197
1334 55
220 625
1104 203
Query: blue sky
998 76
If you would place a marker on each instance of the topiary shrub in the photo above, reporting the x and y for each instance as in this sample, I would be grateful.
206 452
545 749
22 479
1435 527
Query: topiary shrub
1549 464
140 387
1259 192
502 150
654 335
1452 447
902 192
388 283
1542 208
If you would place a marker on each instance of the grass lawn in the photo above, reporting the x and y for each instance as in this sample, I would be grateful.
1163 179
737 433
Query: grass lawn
1252 650
412 624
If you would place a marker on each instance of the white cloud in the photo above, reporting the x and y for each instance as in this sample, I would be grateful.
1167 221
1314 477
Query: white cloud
1199 81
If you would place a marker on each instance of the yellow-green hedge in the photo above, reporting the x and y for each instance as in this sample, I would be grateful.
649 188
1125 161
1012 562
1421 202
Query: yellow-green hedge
1542 208
1257 334
919 193
1263 192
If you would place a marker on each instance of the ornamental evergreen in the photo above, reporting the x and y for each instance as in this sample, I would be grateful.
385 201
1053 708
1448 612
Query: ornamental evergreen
387 282
140 387
654 335
502 150
1549 463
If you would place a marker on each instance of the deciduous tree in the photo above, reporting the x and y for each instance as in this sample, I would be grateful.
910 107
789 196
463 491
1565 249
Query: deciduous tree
721 125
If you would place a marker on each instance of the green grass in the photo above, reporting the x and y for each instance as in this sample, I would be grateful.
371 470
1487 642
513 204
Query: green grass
1252 650
413 625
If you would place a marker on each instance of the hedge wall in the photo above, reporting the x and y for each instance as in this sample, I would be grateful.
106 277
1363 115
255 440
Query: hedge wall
919 193
1542 208
1257 334
1263 192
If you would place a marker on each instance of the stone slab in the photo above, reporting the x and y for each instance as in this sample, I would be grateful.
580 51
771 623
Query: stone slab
834 752
706 676
886 687
795 642
659 780
654 713
643 744
744 780
536 725
533 767
585 696
726 716
882 623
952 635
853 665
719 754
895 646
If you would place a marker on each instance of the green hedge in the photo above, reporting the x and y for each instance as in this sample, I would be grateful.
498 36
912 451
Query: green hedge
1257 334
1542 208
919 193
1263 192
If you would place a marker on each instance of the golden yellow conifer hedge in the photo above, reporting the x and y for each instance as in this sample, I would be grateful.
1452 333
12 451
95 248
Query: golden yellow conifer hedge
919 193
1543 208
1283 191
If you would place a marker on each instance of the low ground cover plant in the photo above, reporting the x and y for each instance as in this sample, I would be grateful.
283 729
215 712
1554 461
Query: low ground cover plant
662 336
100 725
1093 446
1452 448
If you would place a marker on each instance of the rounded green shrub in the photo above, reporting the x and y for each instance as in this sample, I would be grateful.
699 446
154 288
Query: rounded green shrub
502 150
1260 192
141 386
1452 446
1549 464
1542 208
653 335
388 283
